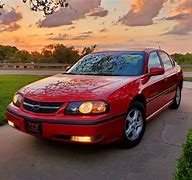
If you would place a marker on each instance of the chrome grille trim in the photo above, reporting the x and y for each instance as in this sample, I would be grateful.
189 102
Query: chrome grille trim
44 107
41 107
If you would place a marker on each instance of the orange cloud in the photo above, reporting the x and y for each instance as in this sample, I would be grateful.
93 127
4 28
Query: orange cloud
183 17
142 12
185 6
78 10
9 19
137 6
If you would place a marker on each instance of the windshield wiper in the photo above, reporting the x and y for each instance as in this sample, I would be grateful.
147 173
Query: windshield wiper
106 75
69 73
91 74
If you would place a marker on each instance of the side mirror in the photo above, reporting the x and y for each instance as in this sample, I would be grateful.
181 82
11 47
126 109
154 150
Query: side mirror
67 68
155 71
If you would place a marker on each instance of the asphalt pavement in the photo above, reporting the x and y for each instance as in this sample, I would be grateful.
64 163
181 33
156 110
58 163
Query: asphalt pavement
187 74
25 157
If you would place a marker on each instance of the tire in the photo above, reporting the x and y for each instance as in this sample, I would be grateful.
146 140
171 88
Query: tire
134 127
177 99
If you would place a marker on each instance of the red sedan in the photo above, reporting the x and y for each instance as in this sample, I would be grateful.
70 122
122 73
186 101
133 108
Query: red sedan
104 97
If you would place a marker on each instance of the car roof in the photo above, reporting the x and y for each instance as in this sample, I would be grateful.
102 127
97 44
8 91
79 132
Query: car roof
146 50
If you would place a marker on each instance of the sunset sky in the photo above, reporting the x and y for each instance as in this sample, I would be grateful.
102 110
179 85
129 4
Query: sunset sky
111 24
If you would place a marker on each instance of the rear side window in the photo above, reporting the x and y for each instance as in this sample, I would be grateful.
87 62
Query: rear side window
166 60
153 60
173 61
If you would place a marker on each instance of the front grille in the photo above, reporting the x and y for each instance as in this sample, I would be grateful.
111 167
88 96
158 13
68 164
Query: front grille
41 107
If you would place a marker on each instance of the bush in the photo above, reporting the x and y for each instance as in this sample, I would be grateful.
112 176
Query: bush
184 163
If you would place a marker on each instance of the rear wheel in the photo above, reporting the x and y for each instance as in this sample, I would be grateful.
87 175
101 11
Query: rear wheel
134 125
177 99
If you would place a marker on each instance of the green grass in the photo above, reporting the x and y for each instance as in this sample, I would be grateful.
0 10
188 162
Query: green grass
9 84
188 79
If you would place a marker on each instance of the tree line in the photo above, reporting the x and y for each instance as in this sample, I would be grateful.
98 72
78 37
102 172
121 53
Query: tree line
183 58
53 53
59 53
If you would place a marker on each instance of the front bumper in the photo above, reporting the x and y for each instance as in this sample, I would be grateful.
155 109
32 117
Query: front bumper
101 131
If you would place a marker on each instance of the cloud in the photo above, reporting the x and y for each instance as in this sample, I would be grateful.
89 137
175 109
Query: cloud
183 18
9 28
131 44
79 10
87 32
98 12
34 35
70 28
104 30
49 34
9 19
177 17
142 12
64 37
60 37
81 37
183 27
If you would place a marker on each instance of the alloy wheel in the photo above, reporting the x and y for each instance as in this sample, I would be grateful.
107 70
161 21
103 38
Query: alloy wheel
178 95
134 124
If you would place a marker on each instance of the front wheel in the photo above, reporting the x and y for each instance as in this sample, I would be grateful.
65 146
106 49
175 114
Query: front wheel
177 99
134 127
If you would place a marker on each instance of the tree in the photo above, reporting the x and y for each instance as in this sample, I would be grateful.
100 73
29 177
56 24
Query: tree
47 6
182 58
47 55
67 55
53 53
7 52
21 57
88 50
36 57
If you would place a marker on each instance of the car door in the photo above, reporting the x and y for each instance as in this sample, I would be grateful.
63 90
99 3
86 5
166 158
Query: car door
170 76
155 86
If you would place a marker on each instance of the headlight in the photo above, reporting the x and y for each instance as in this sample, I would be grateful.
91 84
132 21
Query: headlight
17 99
89 107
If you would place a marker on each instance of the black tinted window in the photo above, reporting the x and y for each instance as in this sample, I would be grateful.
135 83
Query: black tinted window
153 60
110 64
166 60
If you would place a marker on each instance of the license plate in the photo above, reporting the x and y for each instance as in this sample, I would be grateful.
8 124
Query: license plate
33 127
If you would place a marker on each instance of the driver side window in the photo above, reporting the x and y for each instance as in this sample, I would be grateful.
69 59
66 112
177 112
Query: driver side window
154 60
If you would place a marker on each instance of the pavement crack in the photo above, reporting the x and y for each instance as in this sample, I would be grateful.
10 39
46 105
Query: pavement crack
161 136
162 130
163 142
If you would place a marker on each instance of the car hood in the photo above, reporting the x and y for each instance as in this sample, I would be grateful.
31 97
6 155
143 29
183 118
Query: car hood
63 87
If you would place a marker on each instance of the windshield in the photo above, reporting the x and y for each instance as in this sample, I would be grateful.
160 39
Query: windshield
123 64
